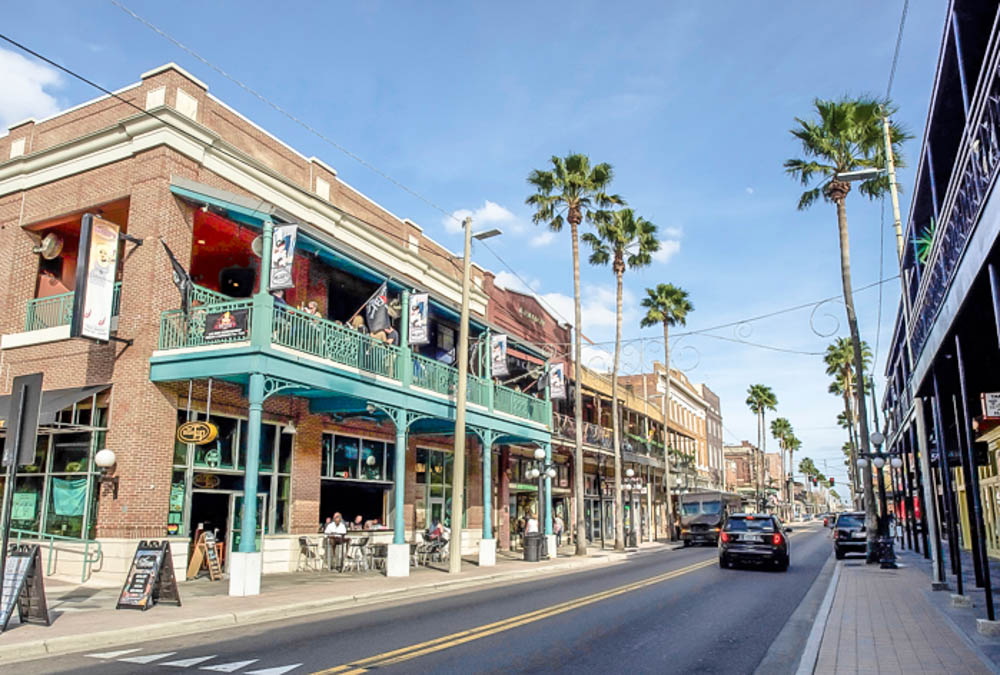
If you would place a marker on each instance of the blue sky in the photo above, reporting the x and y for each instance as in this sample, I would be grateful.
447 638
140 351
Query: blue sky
691 103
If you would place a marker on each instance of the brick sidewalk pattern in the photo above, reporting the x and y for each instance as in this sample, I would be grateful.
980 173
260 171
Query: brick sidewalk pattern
881 622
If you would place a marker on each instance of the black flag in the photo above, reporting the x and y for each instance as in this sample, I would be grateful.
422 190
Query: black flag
377 310
182 280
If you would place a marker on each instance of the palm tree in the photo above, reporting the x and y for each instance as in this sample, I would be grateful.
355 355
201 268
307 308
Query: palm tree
848 136
571 192
626 241
793 444
839 360
760 399
668 305
781 430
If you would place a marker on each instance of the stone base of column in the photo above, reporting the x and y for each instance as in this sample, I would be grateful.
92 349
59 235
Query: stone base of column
987 627
244 573
397 563
487 552
961 600
939 585
550 543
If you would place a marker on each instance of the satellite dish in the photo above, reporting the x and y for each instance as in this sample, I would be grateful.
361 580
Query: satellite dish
51 246
257 246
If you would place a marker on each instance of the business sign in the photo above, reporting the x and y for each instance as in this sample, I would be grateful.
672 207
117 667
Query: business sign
97 265
498 355
557 382
226 326
991 405
283 256
197 432
419 334
150 578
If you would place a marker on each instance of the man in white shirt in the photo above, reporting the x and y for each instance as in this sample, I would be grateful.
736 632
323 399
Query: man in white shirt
532 525
336 526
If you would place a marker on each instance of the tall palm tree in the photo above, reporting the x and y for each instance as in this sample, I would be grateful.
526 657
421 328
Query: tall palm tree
573 191
627 241
760 399
847 136
668 305
793 444
839 360
781 430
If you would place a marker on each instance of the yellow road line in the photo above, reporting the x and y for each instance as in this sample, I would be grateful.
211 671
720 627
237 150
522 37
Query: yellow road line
461 637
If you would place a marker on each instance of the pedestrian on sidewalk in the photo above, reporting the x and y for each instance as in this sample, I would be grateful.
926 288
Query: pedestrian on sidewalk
557 529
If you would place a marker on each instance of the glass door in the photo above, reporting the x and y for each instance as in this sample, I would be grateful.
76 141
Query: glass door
236 518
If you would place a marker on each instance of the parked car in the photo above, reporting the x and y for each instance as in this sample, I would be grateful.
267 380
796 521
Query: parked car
849 534
757 538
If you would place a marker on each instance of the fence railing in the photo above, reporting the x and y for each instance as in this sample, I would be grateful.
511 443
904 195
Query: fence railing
205 325
57 310
521 405
91 549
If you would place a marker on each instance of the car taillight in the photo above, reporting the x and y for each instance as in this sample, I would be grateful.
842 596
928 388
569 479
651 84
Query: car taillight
725 536
776 539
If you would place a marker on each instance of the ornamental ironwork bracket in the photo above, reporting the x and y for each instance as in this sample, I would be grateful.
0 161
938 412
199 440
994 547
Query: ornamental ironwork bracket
273 385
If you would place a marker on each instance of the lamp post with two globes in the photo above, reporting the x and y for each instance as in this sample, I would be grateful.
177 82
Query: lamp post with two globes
887 557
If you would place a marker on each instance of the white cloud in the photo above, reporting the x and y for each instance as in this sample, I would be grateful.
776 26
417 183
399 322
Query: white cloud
596 358
597 309
490 214
24 85
673 232
505 279
668 249
543 238
749 190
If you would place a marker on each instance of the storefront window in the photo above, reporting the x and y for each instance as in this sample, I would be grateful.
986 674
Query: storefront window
67 505
345 457
26 508
70 453
218 454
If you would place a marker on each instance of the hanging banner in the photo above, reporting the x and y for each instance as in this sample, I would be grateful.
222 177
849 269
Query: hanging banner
498 355
419 307
282 256
557 382
95 279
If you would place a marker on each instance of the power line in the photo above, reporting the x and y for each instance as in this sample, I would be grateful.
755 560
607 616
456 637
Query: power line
895 53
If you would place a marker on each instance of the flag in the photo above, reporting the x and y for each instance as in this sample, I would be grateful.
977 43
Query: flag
182 280
498 355
377 310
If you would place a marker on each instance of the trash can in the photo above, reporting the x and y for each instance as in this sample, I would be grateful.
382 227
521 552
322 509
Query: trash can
532 546
632 539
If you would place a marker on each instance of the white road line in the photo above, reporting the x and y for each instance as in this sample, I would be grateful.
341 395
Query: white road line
187 663
111 655
230 667
148 658
275 671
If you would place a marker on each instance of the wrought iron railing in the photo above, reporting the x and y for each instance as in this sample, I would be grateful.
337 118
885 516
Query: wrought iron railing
434 375
593 434
521 405
57 310
178 330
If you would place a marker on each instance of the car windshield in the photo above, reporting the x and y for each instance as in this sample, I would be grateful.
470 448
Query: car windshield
851 521
690 509
748 525
712 507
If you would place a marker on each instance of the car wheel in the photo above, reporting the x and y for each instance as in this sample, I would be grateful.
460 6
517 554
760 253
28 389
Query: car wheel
686 543
783 565
840 554
723 563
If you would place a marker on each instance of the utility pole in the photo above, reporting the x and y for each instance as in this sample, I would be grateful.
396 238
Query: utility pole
458 476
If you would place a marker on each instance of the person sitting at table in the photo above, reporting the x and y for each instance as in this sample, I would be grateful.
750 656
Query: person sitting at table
337 526
436 531
322 527
372 524
358 522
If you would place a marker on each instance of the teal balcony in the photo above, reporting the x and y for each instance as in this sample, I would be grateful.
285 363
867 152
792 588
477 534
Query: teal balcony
57 310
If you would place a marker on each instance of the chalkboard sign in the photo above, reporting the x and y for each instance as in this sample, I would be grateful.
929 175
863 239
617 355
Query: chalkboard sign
150 578
23 587
212 557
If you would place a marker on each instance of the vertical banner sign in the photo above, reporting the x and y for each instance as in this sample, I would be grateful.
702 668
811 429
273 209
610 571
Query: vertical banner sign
498 355
557 382
419 307
97 266
282 256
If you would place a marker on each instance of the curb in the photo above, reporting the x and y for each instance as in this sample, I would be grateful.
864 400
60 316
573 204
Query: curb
67 644
808 663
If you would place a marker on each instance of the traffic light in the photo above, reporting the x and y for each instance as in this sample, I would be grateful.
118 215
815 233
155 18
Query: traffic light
831 481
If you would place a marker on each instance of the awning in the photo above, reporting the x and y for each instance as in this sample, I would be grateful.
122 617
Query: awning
53 401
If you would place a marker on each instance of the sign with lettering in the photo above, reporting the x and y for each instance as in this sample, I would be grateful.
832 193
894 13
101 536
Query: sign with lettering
498 355
197 432
212 557
97 267
557 382
991 405
282 256
25 506
419 309
225 326
23 587
150 578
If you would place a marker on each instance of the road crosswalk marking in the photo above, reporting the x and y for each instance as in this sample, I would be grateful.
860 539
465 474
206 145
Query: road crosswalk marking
148 658
229 667
115 654
187 663
280 670
152 659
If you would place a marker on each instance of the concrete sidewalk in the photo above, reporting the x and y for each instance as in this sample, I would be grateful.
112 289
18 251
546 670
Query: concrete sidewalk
84 617
881 621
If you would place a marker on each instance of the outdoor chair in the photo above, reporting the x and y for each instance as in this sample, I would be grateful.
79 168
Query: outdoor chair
357 558
309 558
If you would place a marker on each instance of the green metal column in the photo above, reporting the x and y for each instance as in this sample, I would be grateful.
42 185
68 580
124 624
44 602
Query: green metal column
249 520
487 370
399 477
405 353
263 302
487 441
548 490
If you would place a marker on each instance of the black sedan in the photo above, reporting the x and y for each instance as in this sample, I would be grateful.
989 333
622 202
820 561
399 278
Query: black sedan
849 534
754 538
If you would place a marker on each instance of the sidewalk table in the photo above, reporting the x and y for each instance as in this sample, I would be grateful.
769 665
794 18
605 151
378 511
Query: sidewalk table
334 546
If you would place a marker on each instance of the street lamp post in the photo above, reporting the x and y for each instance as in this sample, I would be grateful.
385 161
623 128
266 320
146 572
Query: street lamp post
632 485
887 556
458 465
540 471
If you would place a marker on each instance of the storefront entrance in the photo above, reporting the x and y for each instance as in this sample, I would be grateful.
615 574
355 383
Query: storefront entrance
221 512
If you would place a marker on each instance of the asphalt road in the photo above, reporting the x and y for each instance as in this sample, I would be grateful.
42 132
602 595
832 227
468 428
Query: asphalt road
663 612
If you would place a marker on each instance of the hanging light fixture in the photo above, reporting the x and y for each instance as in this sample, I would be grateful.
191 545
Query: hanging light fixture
289 428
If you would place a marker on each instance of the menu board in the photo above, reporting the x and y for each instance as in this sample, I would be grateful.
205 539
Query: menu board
150 578
212 557
23 588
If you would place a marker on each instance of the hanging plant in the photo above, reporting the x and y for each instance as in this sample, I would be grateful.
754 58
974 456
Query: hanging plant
925 241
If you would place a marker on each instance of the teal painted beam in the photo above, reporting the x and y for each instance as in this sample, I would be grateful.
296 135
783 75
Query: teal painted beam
234 211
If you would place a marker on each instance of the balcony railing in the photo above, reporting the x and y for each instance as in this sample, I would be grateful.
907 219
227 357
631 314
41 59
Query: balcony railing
593 434
57 310
294 329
